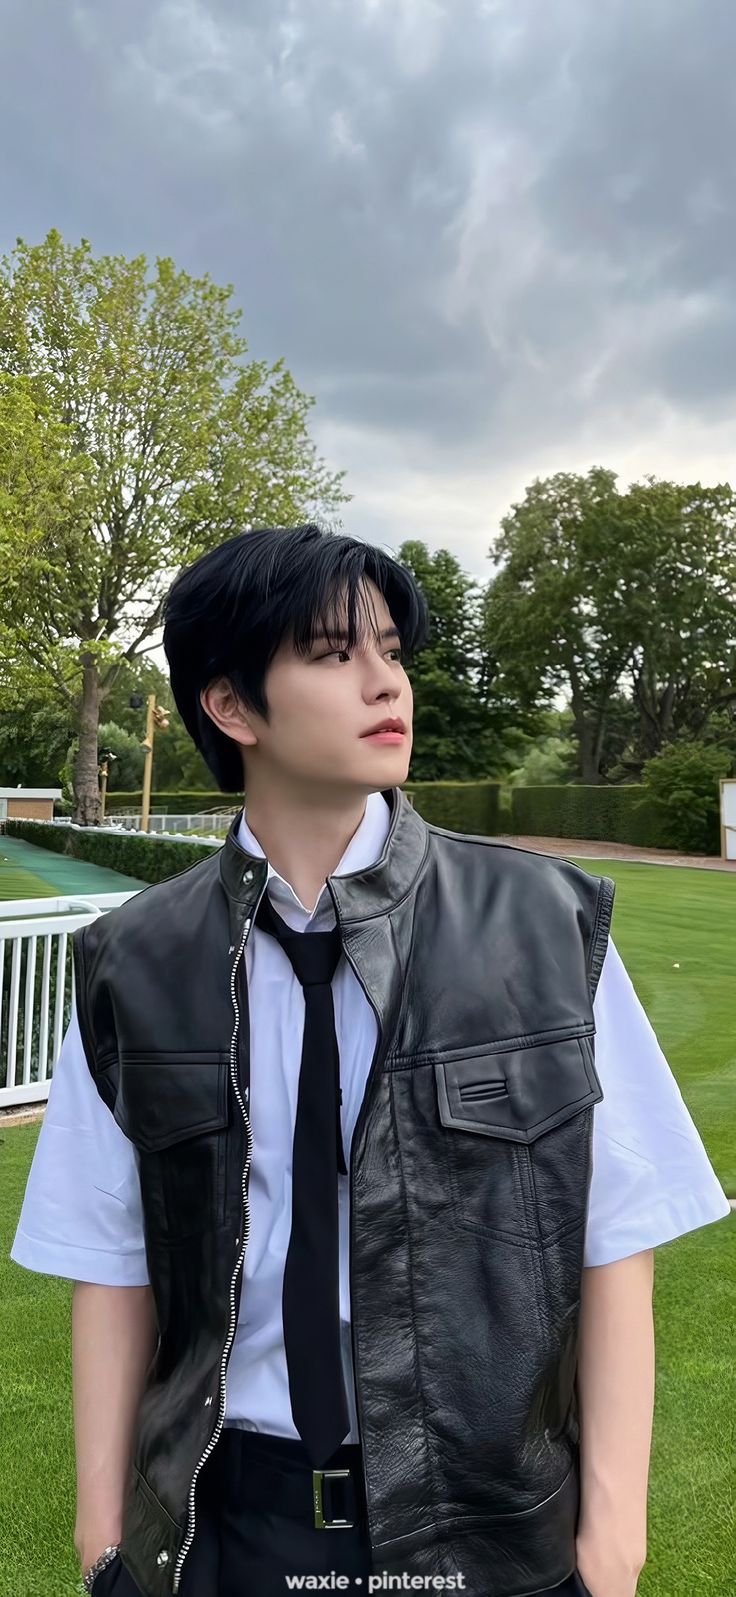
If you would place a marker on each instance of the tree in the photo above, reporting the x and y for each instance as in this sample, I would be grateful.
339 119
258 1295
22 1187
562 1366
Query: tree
128 390
676 592
33 742
548 758
600 590
177 764
458 730
126 770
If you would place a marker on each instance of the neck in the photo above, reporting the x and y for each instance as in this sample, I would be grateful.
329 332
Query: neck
304 838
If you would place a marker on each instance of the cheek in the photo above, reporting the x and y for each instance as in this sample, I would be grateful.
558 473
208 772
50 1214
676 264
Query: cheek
314 721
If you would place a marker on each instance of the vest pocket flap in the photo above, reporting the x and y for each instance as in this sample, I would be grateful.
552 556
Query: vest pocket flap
164 1099
518 1093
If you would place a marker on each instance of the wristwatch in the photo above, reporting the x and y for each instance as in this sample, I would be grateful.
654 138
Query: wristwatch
104 1559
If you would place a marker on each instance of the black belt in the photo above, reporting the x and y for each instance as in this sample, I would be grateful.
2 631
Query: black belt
275 1473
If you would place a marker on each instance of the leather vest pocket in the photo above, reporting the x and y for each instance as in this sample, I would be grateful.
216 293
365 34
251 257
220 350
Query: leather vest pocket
517 1138
175 1109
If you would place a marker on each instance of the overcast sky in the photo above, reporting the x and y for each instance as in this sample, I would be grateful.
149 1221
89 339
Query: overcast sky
494 238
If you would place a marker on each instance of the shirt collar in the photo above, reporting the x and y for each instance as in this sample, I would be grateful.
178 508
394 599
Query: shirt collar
364 849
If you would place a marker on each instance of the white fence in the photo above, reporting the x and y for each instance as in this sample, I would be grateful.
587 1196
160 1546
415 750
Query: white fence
177 824
37 986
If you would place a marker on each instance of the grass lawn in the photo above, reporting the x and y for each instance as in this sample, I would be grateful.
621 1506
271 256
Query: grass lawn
662 917
16 882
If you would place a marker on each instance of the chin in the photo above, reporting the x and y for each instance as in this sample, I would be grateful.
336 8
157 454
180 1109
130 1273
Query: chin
385 770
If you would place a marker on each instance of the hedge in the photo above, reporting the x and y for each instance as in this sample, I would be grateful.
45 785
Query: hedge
145 855
605 814
472 807
625 814
454 805
153 857
458 806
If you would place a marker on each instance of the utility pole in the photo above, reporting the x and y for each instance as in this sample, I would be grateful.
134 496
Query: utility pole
156 717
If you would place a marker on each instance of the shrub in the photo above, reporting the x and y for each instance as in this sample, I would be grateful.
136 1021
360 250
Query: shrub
683 784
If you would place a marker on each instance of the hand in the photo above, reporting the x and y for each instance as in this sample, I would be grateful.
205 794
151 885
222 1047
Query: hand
606 1568
91 1548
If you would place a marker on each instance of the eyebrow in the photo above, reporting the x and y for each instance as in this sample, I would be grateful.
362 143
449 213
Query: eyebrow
339 637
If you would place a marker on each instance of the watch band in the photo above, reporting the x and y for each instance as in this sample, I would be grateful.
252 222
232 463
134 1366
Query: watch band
102 1562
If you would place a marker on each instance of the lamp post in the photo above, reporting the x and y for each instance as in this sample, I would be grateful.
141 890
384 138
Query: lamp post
156 717
104 771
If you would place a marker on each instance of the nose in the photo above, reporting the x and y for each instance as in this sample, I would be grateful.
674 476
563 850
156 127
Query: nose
383 684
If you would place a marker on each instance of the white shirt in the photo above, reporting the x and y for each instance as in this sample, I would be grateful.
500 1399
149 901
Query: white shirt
81 1218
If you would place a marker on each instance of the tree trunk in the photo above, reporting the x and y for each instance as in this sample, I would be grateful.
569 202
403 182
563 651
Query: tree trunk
588 758
86 783
589 742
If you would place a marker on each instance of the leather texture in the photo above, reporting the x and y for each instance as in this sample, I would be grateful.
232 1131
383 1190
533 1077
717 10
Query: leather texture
108 1580
469 1179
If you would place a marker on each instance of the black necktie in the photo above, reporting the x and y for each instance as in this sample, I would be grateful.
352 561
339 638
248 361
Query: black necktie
311 1298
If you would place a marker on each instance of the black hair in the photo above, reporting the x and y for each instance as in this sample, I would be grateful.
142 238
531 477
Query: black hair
227 614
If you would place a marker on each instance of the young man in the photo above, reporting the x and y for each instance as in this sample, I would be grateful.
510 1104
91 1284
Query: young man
358 1148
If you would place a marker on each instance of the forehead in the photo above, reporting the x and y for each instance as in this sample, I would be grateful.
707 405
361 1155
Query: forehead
371 611
372 618
370 602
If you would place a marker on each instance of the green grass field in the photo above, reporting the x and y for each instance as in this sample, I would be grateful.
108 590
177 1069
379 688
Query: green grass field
662 917
27 871
16 882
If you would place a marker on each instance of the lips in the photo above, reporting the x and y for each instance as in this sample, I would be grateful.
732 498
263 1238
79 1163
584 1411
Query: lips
394 725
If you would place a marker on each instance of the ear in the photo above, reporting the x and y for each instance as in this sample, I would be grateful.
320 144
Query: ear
221 704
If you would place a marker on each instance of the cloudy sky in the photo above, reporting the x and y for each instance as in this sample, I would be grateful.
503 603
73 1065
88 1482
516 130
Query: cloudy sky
494 238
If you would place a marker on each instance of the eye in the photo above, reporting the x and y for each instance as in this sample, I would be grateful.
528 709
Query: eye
332 652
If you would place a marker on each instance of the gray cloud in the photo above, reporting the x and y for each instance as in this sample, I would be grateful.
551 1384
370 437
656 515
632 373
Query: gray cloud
478 232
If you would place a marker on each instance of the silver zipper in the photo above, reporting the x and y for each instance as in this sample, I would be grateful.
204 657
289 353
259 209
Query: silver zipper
360 1117
356 1374
192 1513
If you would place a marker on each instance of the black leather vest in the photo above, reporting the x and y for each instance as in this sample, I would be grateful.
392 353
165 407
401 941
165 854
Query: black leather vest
469 1179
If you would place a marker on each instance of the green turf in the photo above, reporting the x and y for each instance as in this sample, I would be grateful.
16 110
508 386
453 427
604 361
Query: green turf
18 882
58 875
679 916
662 916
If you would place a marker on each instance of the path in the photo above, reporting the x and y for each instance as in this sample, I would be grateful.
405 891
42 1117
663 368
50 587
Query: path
591 848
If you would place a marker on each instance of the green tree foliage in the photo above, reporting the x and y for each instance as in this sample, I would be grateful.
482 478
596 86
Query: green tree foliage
458 728
44 509
35 727
602 592
134 436
126 770
34 739
549 758
684 784
176 762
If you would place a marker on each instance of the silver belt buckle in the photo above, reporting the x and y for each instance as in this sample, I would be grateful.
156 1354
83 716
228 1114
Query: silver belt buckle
318 1476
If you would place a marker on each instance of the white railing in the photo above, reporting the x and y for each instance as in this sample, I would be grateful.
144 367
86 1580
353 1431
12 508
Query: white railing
33 1018
130 821
115 824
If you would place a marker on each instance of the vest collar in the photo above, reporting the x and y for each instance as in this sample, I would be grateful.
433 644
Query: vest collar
361 894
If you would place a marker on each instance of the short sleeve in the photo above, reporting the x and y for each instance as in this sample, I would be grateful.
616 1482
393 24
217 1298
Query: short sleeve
82 1215
652 1179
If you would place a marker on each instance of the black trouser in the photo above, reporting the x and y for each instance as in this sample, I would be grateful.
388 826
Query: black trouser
256 1525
